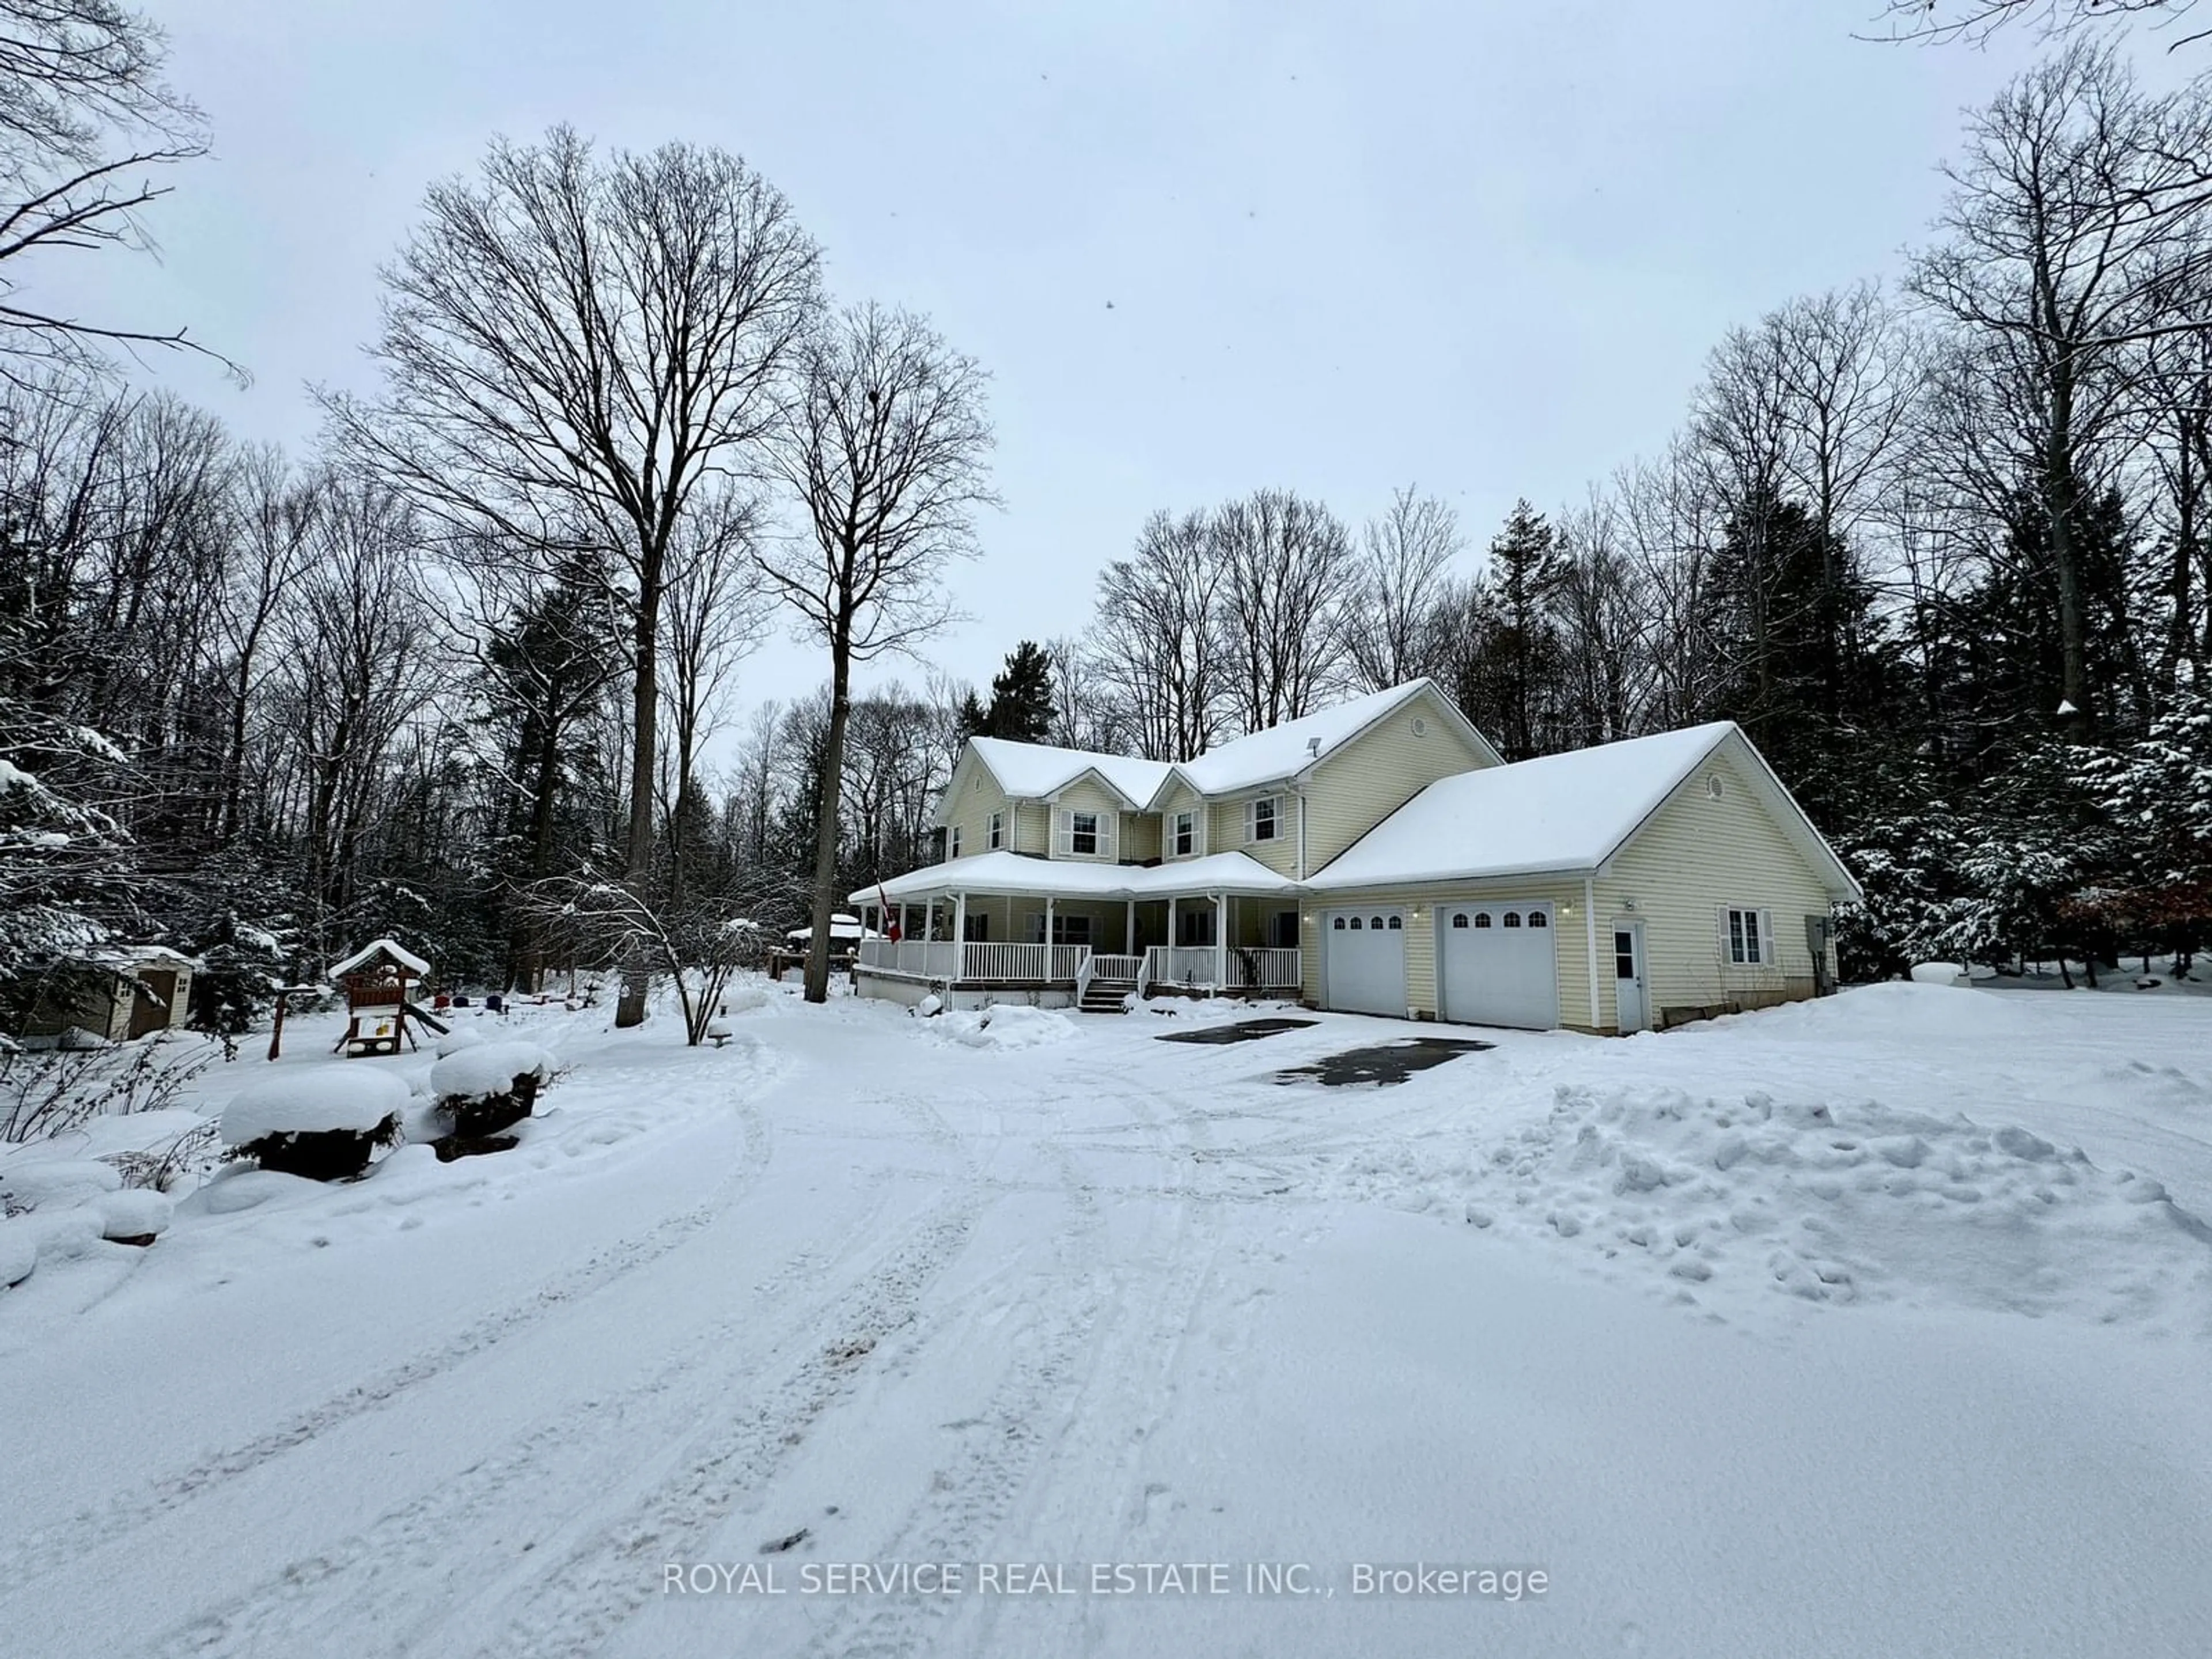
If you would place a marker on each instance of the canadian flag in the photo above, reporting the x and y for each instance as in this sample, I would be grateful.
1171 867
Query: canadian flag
890 916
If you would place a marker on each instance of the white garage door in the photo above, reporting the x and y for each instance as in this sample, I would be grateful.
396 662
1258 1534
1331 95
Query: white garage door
1497 964
1363 956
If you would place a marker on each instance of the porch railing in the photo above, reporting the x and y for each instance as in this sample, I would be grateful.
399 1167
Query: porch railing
1202 965
1118 967
976 959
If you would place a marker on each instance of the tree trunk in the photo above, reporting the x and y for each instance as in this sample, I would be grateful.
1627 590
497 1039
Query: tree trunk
825 812
645 710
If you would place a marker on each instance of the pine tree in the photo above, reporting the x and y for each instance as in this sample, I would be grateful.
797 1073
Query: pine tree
1021 696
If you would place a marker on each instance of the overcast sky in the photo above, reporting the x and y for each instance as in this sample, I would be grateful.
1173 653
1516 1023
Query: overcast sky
1200 247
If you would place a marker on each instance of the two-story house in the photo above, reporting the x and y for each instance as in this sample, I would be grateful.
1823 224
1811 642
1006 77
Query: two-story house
1377 857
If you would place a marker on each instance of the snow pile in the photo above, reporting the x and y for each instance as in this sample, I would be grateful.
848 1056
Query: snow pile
54 1183
460 1037
1008 1025
19 1251
1879 1014
1829 1203
313 1099
489 1068
745 997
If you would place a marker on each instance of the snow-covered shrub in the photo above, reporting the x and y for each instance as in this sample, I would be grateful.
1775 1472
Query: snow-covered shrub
460 1037
321 1121
488 1086
48 1092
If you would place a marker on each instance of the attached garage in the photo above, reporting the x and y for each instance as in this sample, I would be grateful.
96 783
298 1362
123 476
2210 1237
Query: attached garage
1497 963
1363 960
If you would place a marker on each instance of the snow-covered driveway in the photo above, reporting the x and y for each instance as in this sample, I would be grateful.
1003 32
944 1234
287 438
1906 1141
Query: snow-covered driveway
1739 1336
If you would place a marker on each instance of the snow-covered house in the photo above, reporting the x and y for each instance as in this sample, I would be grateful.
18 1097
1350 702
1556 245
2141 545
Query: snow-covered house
1377 857
113 994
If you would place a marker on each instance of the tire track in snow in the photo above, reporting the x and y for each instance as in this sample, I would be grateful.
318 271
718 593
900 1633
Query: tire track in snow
1032 1413
51 1547
572 1605
441 1535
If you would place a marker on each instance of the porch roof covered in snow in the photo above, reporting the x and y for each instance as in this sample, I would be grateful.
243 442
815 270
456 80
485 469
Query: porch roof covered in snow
1016 876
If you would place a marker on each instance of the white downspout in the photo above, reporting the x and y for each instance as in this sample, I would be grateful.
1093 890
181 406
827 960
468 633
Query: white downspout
1589 932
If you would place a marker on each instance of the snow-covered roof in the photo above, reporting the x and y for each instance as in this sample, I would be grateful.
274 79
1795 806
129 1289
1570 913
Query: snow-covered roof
841 926
1034 771
1285 750
398 953
1004 872
1558 813
1031 771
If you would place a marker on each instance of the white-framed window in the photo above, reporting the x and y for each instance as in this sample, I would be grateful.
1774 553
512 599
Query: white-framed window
1263 818
1747 937
1183 835
998 831
952 842
1079 834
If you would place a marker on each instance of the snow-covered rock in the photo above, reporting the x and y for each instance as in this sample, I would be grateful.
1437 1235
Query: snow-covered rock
56 1183
134 1212
313 1099
460 1037
489 1068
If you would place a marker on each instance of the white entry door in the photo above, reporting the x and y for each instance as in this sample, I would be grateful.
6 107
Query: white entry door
1633 1005
1497 964
1363 959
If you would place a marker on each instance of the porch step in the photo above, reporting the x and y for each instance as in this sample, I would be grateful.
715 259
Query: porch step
1104 996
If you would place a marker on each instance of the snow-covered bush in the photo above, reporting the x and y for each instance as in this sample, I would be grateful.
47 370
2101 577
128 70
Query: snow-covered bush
321 1121
47 1092
133 1216
488 1086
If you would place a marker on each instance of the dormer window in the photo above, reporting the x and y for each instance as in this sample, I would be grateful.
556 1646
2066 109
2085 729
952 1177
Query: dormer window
998 831
1182 834
1083 834
1263 818
952 847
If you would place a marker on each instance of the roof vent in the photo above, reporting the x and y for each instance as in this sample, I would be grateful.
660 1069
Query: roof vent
1420 727
1713 785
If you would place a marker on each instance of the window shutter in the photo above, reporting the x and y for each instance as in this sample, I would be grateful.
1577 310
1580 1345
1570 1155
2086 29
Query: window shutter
1769 954
1109 836
1721 935
1063 832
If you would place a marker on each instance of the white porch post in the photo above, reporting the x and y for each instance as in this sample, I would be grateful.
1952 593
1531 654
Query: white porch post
1048 936
1220 942
960 933
1129 931
1171 926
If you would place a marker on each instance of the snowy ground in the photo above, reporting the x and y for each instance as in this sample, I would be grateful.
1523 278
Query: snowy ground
1805 1332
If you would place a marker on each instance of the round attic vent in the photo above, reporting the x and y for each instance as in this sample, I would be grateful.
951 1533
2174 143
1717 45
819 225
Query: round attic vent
1420 727
1714 787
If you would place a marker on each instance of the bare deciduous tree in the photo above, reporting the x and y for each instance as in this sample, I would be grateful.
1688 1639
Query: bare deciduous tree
1975 20
1155 648
576 346
1405 556
85 121
886 450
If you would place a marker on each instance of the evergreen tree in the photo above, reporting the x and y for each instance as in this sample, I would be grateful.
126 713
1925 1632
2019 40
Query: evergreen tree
1021 696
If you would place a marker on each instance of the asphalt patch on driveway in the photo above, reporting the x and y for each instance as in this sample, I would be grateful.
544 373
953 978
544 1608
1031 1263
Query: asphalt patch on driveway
1383 1063
1244 1030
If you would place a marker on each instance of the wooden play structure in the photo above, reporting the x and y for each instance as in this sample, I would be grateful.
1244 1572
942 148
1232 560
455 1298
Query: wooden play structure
380 982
